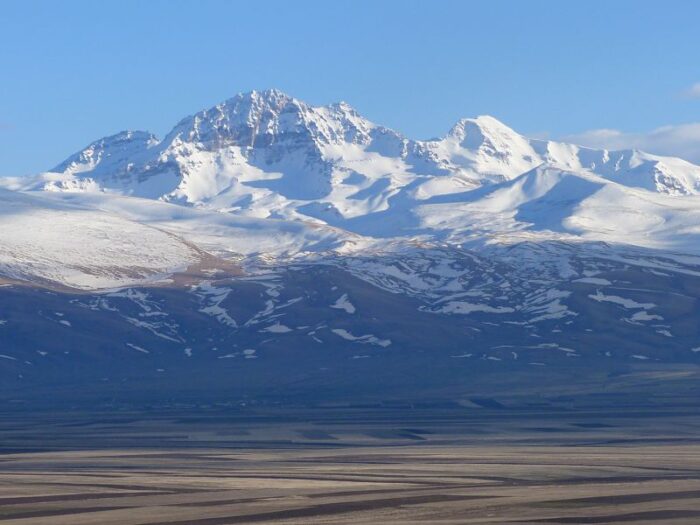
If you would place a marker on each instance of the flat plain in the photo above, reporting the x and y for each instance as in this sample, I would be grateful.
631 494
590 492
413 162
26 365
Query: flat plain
362 466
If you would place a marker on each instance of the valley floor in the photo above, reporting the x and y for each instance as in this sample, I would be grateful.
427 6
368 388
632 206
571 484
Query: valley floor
350 465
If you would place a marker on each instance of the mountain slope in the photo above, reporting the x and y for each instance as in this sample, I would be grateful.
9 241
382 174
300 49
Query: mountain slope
77 246
96 241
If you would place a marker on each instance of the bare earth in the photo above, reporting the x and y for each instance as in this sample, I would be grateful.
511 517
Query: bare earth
161 470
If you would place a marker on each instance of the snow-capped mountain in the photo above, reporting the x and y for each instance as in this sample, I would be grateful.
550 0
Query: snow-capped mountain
266 154
307 239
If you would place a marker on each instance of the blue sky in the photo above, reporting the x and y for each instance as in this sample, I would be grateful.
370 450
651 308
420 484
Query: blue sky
74 71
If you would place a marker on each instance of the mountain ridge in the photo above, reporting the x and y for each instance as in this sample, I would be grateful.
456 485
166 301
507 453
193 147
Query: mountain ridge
479 150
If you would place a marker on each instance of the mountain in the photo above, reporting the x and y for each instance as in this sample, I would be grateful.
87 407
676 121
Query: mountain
266 154
269 249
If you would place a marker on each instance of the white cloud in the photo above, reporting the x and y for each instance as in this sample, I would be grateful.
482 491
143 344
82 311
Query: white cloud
678 141
693 91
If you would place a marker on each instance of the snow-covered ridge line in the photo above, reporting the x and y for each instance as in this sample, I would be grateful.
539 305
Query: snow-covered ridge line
266 176
265 152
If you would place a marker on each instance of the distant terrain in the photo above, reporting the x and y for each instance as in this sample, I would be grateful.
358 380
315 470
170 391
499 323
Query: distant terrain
269 251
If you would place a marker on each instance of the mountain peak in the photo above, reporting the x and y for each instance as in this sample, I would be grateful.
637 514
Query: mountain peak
116 148
482 126
488 136
267 97
256 119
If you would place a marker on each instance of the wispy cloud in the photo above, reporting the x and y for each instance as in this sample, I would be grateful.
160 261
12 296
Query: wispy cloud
678 141
693 91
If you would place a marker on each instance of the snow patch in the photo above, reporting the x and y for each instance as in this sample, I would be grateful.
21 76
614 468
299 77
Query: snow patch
364 339
277 328
343 303
137 348
625 303
461 307
593 280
